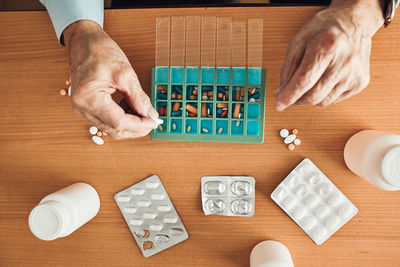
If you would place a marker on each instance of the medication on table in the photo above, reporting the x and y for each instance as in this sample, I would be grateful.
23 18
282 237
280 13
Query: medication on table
295 131
69 91
99 133
291 147
313 201
68 82
228 195
63 92
289 139
375 156
151 216
270 253
297 142
93 130
61 213
97 140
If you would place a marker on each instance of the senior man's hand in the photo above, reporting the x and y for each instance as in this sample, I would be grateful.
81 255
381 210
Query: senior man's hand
98 69
328 60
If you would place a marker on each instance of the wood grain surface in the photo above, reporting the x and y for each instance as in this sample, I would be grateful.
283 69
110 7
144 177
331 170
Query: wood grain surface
44 146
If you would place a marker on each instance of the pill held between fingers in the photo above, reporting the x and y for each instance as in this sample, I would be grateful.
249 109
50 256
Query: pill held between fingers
289 139
159 121
291 147
297 142
99 133
68 82
295 131
284 133
97 140
63 92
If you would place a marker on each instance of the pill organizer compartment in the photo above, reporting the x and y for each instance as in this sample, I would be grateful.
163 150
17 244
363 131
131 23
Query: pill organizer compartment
313 201
228 195
151 216
227 103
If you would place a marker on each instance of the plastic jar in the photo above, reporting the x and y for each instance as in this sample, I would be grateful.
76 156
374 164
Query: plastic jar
62 212
375 156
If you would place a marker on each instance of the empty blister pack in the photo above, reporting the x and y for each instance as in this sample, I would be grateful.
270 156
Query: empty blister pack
313 201
228 195
150 215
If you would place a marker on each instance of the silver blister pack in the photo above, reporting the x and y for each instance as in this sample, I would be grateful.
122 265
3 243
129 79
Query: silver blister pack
313 201
228 195
150 215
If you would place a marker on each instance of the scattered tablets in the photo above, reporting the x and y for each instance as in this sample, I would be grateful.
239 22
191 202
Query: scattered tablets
93 130
63 92
97 140
290 138
228 195
151 216
313 201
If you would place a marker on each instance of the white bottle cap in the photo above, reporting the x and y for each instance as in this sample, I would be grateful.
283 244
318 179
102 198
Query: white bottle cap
47 220
391 166
270 253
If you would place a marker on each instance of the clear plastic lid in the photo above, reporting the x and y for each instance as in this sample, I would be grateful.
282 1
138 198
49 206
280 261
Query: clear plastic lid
47 220
391 166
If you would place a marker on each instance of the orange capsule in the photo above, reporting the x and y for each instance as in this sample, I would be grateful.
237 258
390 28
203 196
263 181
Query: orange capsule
68 82
99 133
191 109
291 147
222 105
194 92
176 106
178 96
63 92
295 131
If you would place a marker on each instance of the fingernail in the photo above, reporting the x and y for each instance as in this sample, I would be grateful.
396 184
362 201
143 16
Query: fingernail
159 121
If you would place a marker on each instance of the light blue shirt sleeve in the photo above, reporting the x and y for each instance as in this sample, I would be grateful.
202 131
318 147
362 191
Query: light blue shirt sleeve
65 12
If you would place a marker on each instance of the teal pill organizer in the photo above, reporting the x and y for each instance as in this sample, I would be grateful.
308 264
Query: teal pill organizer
209 104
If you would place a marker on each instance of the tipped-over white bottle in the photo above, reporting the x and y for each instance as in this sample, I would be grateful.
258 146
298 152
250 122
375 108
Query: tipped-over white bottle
62 212
375 156
270 253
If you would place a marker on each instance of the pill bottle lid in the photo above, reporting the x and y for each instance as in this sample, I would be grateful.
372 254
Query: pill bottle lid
391 166
47 220
276 263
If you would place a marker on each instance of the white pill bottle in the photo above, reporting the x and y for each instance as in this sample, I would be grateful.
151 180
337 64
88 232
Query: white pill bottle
62 212
375 156
270 253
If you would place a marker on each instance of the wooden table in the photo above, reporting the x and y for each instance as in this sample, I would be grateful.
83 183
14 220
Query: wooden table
44 146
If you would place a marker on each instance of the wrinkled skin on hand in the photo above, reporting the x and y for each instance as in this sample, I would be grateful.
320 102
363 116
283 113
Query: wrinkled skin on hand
99 68
327 61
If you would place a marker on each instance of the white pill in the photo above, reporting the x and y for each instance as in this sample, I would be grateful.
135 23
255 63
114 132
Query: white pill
279 193
220 129
204 130
332 222
204 97
284 133
291 180
123 198
156 227
299 212
346 211
188 128
321 212
69 91
311 201
297 142
160 128
130 210
144 203
135 221
335 200
237 124
301 190
157 196
252 100
138 191
152 185
289 202
97 140
314 178
150 215
319 233
309 223
170 219
325 189
93 130
289 139
173 126
164 208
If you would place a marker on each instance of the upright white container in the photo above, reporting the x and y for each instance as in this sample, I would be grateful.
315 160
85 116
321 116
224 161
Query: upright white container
270 253
62 212
375 156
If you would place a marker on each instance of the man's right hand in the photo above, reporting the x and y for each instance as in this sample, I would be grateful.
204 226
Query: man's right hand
98 69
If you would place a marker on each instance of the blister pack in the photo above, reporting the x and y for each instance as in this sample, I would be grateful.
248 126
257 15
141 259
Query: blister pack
150 216
228 195
313 201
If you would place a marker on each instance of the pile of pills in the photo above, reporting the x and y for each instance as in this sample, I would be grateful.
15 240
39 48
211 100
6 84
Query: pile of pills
290 138
151 216
96 135
63 91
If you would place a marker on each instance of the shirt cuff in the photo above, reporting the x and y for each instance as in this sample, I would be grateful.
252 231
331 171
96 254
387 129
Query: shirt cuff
64 12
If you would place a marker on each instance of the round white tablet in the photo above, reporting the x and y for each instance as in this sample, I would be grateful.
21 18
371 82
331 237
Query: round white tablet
93 130
297 142
284 133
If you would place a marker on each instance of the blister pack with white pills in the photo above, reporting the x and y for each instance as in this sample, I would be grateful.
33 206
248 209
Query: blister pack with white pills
313 201
228 195
150 216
